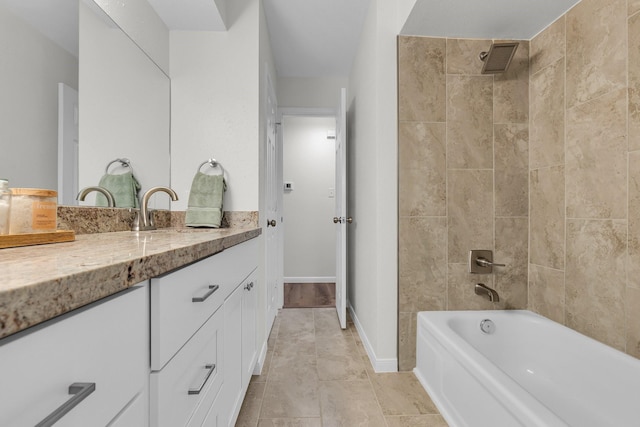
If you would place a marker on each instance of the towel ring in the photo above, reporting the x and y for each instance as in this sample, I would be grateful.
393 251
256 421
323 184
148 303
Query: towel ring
125 163
213 163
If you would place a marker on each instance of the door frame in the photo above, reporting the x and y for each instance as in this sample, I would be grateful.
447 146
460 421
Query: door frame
301 112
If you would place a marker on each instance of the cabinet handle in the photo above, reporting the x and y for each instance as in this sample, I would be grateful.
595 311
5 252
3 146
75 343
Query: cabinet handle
212 289
79 391
210 369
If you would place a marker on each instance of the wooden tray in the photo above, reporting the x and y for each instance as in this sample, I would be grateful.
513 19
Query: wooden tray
15 240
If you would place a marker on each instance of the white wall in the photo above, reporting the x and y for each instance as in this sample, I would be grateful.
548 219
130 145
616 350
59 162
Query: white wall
31 67
309 233
214 106
320 92
218 89
372 157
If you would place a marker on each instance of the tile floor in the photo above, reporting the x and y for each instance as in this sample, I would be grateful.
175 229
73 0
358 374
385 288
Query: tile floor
316 374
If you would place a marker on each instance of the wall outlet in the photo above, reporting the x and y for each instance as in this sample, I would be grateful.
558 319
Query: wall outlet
288 186
332 193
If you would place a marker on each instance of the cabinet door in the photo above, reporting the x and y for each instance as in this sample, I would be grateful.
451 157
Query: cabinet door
249 306
232 356
105 344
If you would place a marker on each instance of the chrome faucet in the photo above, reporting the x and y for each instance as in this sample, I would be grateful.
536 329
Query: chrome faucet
487 292
107 194
144 220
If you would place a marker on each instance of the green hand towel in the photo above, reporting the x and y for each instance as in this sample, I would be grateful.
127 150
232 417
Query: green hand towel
124 188
204 208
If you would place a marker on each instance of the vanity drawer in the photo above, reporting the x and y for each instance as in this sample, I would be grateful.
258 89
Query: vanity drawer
191 379
181 301
104 344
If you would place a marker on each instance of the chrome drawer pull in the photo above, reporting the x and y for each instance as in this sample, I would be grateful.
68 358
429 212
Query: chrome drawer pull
210 369
212 289
80 391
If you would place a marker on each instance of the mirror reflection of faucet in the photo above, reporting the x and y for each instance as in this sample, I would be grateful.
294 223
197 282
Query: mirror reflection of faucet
106 193
144 219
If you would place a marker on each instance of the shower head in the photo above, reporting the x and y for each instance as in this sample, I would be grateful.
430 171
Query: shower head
498 58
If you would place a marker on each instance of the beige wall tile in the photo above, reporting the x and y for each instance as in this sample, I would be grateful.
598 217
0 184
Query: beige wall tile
422 169
595 279
461 289
548 46
596 158
547 217
421 79
633 321
633 263
512 242
463 55
634 82
423 264
511 89
407 328
470 208
511 173
547 116
596 49
546 292
469 122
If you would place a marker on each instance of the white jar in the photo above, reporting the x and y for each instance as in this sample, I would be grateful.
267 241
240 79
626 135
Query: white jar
5 206
33 210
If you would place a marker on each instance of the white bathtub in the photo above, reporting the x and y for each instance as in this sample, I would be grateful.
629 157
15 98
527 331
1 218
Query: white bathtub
530 371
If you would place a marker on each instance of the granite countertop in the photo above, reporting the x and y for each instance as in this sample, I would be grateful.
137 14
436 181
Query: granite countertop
41 282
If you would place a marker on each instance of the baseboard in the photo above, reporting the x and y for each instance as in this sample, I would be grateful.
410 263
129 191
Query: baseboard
379 365
257 369
328 279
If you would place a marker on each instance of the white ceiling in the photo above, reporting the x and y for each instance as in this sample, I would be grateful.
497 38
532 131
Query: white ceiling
312 38
488 19
319 38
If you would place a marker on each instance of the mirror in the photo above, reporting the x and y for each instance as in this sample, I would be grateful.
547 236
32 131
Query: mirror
124 98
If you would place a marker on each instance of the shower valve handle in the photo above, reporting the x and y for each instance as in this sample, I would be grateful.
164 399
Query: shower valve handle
483 262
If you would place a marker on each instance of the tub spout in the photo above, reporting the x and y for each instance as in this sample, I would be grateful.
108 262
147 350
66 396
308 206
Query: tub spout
487 292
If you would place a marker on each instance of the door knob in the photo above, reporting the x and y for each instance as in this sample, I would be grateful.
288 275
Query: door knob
271 223
336 220
350 220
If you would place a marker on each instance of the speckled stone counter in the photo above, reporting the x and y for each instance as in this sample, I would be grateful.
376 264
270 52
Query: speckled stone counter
41 282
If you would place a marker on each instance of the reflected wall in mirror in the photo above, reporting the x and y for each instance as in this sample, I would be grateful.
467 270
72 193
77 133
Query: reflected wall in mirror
125 106
124 118
38 41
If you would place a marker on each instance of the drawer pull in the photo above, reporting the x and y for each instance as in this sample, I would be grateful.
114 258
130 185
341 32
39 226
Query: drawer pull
79 391
212 289
210 369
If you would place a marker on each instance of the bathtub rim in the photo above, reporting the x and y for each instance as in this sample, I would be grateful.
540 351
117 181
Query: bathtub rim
496 382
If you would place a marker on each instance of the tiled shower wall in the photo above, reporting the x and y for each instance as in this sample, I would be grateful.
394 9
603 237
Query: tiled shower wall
585 172
463 150
582 154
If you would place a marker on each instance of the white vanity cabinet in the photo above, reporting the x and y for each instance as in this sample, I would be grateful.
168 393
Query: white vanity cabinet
239 345
93 360
202 319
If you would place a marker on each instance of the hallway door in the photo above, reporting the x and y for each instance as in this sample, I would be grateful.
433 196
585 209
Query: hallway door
341 220
273 250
